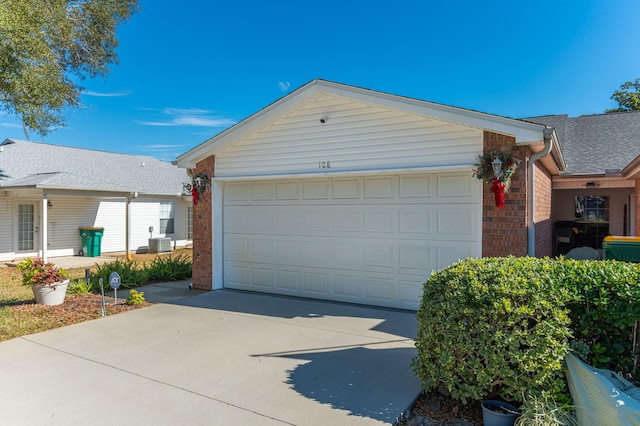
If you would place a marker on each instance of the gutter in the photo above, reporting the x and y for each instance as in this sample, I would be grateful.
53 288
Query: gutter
531 229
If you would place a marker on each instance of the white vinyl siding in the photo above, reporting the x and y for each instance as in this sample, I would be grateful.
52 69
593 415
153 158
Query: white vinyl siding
6 228
355 137
362 239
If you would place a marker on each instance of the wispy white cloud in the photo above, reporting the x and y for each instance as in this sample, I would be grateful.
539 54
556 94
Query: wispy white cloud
11 125
106 95
194 117
284 85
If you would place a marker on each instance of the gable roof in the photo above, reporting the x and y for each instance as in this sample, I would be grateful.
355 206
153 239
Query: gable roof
25 164
524 132
596 144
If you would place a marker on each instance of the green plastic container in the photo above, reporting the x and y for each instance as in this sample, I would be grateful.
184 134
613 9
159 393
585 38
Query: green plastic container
91 241
621 248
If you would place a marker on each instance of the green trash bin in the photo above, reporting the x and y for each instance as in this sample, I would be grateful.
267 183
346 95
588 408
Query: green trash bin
91 241
621 248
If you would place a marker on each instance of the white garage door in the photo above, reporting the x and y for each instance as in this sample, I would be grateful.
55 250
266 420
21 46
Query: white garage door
366 239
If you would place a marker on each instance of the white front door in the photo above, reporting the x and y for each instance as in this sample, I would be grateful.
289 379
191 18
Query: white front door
362 239
27 227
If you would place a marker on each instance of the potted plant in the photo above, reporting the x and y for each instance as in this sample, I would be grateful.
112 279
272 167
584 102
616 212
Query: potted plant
498 413
49 284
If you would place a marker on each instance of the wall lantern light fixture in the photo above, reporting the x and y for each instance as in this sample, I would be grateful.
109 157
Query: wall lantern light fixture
497 167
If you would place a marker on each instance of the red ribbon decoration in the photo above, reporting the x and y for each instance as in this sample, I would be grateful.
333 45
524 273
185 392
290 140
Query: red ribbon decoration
195 195
497 188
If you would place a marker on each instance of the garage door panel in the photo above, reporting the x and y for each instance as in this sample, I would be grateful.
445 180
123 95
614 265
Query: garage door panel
347 188
416 186
262 278
262 250
416 220
347 254
412 257
315 189
236 219
371 240
237 276
261 191
347 287
380 256
379 187
288 280
287 190
316 283
382 219
287 250
459 222
347 219
455 185
315 219
448 253
314 253
236 248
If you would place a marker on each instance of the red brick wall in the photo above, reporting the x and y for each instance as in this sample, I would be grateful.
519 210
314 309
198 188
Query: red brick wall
542 211
504 230
203 232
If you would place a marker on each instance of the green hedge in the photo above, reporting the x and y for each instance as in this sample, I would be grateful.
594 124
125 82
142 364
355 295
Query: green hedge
503 325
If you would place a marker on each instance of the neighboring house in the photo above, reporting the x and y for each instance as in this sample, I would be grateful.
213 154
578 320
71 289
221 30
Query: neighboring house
47 192
597 194
347 194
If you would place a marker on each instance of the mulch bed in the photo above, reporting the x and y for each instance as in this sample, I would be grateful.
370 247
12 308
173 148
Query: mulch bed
78 308
435 409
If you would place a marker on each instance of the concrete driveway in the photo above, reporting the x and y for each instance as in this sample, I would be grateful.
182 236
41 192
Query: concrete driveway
218 358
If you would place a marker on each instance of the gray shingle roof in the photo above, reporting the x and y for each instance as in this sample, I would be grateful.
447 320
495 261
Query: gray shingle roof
592 144
34 164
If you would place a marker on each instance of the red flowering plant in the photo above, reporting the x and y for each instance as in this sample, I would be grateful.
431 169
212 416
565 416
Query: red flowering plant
36 271
484 168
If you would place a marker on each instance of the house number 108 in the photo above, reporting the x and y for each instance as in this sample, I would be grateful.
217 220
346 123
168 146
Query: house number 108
324 164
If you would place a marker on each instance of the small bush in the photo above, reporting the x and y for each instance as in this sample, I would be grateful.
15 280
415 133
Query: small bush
135 297
130 274
493 325
79 286
604 310
170 268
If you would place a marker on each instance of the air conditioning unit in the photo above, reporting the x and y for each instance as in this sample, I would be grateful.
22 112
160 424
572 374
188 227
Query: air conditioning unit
159 245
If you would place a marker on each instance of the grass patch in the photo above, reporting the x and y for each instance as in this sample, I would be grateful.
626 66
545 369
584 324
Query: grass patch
20 315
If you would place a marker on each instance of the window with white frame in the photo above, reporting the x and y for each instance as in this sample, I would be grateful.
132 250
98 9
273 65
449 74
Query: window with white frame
166 218
190 223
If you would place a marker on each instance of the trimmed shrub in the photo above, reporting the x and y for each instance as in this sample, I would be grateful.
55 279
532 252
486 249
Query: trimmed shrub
170 268
604 310
493 326
130 274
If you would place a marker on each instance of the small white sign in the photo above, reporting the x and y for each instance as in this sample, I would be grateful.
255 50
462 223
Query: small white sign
114 280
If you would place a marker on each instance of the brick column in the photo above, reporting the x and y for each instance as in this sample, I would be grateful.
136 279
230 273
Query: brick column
504 230
203 231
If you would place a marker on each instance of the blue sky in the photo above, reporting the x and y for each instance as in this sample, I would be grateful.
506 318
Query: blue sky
190 69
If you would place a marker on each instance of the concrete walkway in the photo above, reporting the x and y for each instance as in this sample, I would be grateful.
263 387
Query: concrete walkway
218 358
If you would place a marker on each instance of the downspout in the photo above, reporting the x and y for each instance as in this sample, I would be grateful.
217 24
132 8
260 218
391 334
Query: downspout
531 229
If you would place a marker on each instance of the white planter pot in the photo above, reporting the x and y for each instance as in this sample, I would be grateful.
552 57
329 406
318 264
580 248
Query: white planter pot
52 294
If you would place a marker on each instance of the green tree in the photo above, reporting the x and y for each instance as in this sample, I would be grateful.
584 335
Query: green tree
628 97
47 47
